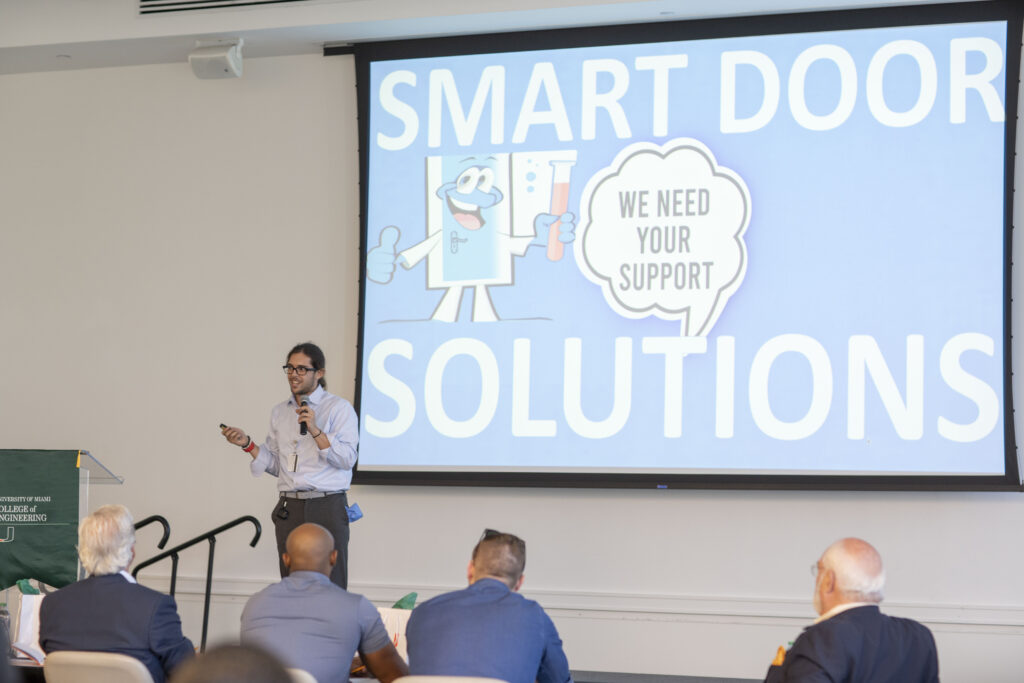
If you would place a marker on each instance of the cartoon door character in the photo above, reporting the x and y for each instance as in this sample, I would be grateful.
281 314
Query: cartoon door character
473 233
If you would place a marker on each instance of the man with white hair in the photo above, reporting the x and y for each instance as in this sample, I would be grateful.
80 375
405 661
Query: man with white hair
852 641
109 611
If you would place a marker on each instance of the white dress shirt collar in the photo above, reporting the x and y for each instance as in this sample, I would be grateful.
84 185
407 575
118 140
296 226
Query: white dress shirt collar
841 608
314 398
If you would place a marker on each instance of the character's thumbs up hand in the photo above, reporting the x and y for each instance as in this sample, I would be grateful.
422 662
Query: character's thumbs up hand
380 261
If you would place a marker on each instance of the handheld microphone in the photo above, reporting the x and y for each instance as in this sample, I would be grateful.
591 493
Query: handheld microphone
303 429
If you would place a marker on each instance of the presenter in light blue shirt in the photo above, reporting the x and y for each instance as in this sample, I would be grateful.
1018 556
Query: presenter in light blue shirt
311 449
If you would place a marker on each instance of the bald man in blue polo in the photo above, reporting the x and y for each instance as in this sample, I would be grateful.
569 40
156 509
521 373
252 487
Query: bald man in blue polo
310 623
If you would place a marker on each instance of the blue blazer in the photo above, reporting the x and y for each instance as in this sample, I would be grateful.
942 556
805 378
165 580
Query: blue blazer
108 613
861 645
486 630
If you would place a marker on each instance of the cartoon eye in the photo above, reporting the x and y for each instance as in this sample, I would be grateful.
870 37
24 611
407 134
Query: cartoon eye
466 182
486 181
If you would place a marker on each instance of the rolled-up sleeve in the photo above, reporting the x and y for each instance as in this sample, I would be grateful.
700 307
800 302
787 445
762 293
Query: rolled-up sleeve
342 429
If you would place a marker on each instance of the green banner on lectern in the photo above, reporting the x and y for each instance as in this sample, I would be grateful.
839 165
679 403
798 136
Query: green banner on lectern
38 516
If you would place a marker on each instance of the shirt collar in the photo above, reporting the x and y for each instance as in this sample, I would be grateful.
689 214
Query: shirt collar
123 574
842 608
314 398
304 576
487 583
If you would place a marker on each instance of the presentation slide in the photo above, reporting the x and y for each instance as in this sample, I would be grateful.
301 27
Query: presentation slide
755 255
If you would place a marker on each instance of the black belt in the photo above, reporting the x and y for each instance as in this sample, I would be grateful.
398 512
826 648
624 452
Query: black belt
306 495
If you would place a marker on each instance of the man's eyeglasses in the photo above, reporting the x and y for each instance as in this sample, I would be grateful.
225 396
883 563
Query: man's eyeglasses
299 370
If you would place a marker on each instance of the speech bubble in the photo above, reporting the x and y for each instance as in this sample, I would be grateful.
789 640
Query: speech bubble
662 233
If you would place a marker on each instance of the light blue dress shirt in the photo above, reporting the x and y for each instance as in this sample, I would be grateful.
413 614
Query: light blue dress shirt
329 469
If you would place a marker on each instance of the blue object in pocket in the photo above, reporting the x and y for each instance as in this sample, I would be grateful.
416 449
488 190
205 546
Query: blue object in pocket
354 513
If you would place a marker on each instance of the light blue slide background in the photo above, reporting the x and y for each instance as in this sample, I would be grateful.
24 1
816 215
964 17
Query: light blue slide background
864 229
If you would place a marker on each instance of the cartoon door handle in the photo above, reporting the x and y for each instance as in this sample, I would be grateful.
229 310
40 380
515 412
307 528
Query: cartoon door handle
455 239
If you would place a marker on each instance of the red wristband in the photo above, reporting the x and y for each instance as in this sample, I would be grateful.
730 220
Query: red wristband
251 445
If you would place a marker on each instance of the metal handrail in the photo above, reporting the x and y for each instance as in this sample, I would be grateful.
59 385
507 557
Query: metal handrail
163 522
209 536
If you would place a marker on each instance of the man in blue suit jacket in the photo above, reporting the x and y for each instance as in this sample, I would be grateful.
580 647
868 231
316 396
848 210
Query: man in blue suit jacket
488 629
108 611
852 641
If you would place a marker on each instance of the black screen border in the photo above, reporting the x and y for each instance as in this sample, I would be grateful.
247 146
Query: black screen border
771 24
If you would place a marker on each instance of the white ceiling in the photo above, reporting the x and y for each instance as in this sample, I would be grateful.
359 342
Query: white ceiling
48 35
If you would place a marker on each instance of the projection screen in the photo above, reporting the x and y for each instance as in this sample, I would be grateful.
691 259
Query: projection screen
757 252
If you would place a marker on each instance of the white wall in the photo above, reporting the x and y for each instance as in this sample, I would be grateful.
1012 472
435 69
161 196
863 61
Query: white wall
164 241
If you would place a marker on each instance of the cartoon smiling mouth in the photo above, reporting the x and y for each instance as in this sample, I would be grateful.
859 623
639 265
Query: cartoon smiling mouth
467 215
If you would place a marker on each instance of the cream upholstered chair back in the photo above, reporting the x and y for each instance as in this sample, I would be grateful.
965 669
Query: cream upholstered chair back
301 676
71 666
447 679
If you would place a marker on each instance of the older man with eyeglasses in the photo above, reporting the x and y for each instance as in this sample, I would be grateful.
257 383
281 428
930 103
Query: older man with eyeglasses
311 449
852 640
488 629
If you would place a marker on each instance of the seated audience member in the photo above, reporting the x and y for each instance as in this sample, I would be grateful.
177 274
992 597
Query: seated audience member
852 641
488 629
233 664
108 611
310 623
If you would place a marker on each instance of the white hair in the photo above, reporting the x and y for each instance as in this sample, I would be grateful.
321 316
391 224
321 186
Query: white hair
858 569
105 540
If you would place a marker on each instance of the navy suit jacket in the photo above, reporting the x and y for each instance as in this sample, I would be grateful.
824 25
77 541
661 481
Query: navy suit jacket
110 614
486 630
861 644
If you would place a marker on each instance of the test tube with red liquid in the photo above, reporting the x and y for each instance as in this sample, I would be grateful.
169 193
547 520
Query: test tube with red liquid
559 204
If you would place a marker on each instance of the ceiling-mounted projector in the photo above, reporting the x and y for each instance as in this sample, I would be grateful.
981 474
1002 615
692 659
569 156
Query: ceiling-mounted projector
221 60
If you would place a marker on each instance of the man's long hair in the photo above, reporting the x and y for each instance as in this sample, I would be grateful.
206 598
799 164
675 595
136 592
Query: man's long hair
316 357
